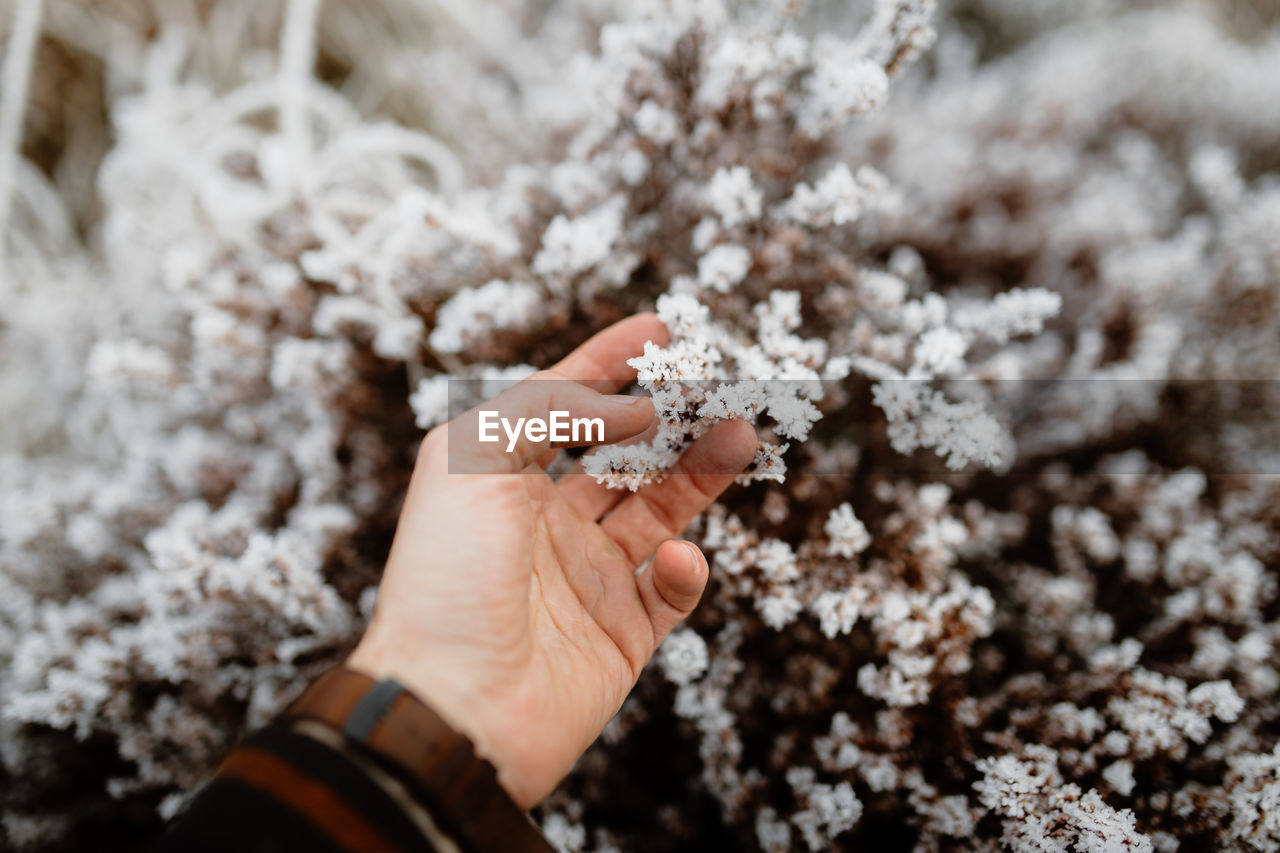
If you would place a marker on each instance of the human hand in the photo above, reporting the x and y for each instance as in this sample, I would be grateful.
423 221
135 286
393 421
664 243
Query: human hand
511 603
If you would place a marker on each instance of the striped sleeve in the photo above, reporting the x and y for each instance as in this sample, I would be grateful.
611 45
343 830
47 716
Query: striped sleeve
289 788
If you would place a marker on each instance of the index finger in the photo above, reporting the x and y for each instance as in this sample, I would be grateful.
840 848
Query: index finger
664 509
600 362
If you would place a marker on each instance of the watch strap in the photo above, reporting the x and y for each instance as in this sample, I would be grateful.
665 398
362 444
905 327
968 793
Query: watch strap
412 741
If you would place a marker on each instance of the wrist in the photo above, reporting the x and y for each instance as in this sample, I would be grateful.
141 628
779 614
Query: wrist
382 721
380 657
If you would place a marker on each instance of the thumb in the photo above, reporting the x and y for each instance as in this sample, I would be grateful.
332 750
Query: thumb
672 585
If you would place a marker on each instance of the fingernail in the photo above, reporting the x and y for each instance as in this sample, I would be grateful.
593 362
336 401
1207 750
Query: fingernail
623 399
694 559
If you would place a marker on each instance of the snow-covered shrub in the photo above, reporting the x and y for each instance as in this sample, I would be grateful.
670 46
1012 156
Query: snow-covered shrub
967 268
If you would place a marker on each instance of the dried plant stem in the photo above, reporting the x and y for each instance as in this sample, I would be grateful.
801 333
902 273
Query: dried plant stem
297 59
16 76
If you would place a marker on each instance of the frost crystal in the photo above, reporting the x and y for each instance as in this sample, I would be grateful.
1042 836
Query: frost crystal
848 536
733 196
571 246
723 267
683 656
475 313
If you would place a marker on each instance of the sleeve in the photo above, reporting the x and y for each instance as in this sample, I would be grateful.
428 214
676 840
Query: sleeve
284 790
354 766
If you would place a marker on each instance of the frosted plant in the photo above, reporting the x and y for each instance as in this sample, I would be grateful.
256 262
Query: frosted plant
1254 788
848 536
474 314
1045 814
830 809
233 302
564 836
683 656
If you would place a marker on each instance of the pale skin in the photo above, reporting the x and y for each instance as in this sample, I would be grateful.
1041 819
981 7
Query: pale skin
511 602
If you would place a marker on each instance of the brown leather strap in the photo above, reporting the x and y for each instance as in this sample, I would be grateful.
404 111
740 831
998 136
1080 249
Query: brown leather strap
460 788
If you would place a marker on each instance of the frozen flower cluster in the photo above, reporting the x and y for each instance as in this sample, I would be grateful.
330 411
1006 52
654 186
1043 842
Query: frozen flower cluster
968 265
1044 813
